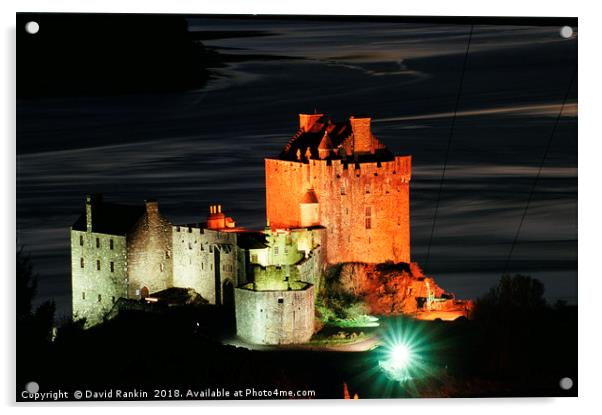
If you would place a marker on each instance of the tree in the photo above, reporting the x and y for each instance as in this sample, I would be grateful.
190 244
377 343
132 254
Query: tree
34 327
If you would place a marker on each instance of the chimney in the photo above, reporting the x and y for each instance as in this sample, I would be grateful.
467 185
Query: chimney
362 136
307 120
216 219
152 208
92 201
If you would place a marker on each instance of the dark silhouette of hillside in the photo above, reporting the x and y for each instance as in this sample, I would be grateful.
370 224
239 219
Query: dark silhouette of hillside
92 54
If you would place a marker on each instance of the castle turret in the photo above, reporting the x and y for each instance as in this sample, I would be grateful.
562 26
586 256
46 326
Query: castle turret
325 146
309 209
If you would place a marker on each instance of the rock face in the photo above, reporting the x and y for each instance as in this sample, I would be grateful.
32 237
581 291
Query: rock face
390 289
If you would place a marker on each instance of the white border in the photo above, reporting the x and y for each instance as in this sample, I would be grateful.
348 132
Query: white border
590 292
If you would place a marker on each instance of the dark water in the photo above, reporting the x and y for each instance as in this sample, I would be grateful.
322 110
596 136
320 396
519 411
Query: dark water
199 147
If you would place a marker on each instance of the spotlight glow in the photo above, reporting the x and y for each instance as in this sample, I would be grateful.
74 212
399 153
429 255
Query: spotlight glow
401 354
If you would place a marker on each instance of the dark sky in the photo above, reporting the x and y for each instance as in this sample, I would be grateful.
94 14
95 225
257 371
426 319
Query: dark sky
190 148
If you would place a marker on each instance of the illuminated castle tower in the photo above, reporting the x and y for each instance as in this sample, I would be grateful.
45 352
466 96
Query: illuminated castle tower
340 176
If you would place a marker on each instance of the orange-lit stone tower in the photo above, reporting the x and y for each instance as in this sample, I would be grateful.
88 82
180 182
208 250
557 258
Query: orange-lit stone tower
340 176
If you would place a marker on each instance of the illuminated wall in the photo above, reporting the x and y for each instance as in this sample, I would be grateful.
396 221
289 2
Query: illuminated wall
98 274
365 207
207 261
275 317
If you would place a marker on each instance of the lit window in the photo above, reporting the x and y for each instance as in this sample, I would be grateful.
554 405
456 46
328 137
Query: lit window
81 262
98 264
98 242
81 240
110 244
112 264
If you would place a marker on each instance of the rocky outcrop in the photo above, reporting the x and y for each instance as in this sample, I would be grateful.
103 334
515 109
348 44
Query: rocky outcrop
390 289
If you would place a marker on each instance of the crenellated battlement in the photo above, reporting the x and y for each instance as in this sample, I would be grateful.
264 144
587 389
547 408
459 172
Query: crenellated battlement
361 190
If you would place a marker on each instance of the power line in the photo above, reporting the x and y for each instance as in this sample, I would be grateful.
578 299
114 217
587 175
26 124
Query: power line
537 176
449 141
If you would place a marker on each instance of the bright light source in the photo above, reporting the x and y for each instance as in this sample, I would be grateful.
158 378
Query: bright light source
400 356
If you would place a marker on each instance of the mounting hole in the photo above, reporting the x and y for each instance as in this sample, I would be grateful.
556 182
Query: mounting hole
566 32
566 383
32 27
32 387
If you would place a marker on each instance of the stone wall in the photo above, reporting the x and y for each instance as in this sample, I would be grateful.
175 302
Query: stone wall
365 207
150 264
207 261
98 274
275 317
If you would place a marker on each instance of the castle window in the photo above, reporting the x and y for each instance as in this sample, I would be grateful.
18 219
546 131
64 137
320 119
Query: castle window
99 298
367 188
189 245
83 295
166 254
281 300
98 242
98 264
81 240
110 244
343 190
81 262
113 300
368 217
112 266
285 250
211 248
254 258
275 250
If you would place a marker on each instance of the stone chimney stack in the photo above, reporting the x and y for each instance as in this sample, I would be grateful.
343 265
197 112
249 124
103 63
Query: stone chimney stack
152 208
362 135
92 201
307 120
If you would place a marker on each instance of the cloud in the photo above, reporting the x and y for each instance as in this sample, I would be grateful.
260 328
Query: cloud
538 110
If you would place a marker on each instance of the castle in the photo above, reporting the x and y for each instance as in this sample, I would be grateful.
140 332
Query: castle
334 194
